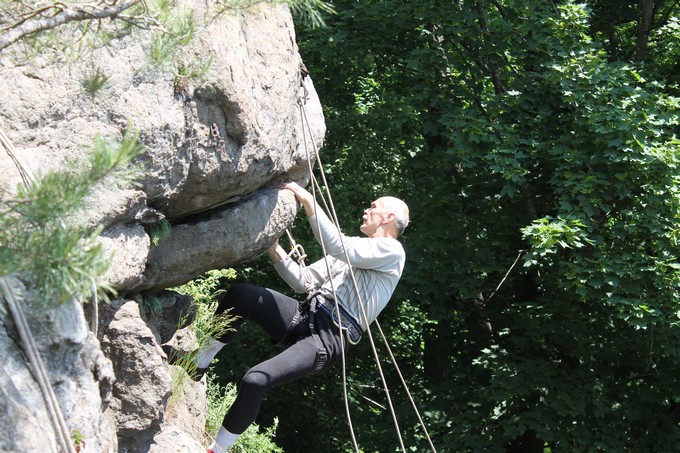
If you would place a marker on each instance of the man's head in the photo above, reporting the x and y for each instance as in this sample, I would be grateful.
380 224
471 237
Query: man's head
387 217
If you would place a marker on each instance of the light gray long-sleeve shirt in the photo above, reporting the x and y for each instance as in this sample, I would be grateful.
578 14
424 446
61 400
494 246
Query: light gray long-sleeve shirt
377 264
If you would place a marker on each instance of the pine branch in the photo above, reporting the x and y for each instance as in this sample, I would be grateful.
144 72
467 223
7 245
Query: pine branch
42 236
29 24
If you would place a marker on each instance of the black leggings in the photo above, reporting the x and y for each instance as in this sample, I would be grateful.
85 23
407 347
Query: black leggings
275 313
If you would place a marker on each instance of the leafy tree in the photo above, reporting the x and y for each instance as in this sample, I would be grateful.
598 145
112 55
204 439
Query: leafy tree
540 161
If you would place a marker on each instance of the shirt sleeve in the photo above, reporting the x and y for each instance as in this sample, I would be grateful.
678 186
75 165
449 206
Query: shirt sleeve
290 272
364 253
293 275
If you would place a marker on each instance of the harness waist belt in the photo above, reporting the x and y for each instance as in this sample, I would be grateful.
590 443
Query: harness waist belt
347 322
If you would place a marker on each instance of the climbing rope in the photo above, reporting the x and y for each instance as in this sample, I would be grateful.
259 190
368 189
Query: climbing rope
406 389
37 366
38 369
301 102
331 208
9 148
94 318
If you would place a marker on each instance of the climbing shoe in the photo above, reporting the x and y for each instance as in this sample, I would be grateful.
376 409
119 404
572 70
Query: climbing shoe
179 358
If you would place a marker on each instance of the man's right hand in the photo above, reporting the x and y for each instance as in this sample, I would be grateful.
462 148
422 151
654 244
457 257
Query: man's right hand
303 196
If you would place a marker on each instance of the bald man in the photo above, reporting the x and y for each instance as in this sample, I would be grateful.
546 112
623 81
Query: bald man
315 332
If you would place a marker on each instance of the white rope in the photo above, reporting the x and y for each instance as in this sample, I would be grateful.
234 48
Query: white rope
336 222
303 117
519 254
354 284
9 148
408 392
38 369
331 209
94 319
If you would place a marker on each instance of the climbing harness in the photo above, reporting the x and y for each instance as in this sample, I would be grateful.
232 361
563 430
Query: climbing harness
331 209
343 320
310 305
338 314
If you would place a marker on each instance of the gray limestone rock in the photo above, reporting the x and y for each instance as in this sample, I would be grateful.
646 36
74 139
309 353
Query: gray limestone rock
215 150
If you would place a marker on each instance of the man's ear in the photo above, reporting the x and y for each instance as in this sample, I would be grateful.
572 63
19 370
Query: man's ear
390 217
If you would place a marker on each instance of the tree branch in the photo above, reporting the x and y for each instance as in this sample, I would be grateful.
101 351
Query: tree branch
667 14
65 14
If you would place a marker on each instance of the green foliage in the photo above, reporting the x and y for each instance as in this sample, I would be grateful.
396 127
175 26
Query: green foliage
178 28
41 236
158 231
308 12
84 40
69 42
205 292
193 70
546 233
78 439
95 82
515 126
206 288
219 400
151 306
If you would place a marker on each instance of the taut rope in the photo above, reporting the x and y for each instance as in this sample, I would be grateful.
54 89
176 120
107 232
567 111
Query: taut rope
330 207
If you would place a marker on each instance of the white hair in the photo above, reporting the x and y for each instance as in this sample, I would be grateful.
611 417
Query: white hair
400 210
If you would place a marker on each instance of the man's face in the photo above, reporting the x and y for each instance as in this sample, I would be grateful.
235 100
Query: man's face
373 218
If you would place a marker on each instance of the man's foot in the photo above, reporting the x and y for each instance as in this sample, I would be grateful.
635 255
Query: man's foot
176 356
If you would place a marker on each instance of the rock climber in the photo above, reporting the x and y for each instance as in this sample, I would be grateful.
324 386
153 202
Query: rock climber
308 330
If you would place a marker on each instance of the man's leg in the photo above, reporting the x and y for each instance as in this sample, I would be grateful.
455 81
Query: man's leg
291 364
273 311
270 309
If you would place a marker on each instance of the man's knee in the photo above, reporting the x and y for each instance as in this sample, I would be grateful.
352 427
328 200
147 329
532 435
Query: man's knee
240 291
237 297
255 380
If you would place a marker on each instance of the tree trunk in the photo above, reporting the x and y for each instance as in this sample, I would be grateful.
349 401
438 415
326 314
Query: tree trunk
491 64
644 25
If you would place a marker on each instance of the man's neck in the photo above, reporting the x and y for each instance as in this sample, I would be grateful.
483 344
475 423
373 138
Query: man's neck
382 233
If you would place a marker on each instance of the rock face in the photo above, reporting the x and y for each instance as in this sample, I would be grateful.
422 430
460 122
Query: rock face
215 150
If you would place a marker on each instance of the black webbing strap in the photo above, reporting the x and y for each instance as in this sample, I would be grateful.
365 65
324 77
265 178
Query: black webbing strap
321 354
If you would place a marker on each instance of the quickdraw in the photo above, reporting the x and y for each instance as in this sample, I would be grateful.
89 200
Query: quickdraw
299 252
